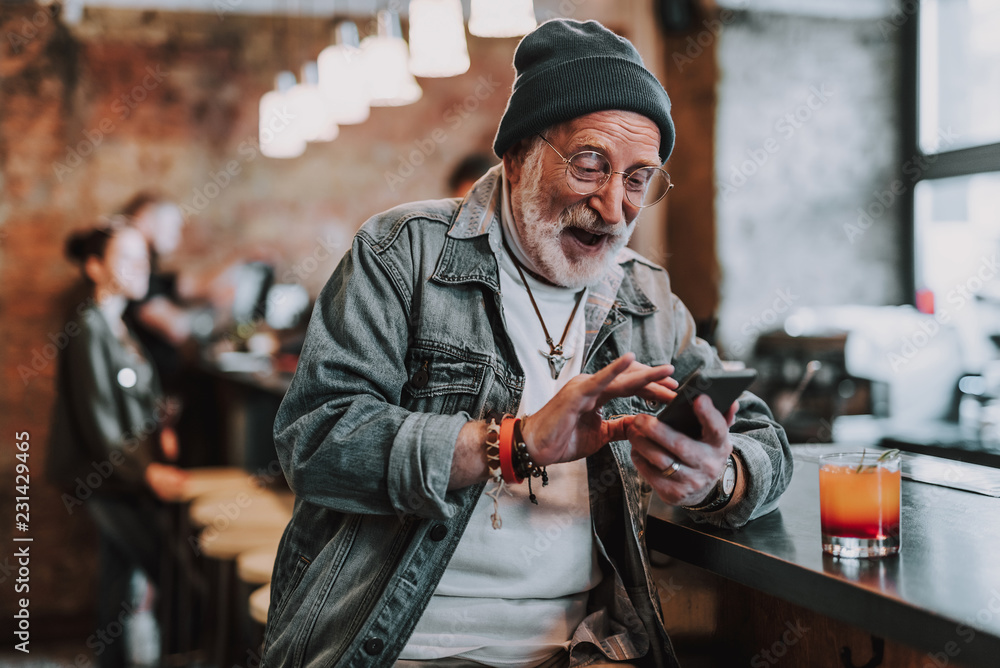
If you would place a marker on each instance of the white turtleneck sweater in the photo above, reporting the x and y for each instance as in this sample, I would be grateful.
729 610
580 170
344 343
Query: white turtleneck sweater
514 596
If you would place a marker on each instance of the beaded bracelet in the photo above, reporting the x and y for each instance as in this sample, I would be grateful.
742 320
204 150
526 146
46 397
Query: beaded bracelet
524 467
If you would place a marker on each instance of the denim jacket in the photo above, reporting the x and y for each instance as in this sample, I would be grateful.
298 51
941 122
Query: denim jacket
406 344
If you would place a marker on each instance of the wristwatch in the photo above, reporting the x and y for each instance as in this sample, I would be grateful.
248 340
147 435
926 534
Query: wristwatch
722 492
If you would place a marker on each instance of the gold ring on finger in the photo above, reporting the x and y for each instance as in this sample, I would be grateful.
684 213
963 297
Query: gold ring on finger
670 470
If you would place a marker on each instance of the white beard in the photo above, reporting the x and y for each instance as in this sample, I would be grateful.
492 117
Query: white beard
540 233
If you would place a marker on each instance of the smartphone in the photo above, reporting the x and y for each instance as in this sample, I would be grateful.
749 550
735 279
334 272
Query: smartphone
724 387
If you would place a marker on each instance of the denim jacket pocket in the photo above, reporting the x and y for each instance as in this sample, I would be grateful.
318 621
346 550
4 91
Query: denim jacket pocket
301 566
443 381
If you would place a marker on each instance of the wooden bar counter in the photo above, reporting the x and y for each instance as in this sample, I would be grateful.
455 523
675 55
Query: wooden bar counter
939 597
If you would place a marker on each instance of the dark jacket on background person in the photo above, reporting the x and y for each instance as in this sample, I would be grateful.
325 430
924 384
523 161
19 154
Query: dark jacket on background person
406 344
105 423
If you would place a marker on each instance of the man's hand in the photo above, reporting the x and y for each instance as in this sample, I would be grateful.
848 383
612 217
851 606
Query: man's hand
571 426
168 444
167 482
656 447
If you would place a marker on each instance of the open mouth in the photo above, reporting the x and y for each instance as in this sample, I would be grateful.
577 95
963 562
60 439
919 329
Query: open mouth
586 238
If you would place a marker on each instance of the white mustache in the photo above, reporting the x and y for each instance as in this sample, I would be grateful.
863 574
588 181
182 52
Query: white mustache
583 217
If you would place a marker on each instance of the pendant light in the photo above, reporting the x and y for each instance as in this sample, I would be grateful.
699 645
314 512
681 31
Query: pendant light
386 59
312 114
342 76
279 136
502 18
437 38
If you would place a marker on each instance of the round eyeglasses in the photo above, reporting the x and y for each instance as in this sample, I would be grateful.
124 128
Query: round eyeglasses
588 171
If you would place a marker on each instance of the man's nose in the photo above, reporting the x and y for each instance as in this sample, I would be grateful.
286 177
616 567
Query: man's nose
610 201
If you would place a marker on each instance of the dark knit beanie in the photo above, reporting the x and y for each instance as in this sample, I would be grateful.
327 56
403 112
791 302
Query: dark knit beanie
565 69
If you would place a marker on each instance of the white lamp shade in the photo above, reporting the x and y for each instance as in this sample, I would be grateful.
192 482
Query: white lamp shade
312 113
387 61
502 18
390 83
278 129
342 83
437 38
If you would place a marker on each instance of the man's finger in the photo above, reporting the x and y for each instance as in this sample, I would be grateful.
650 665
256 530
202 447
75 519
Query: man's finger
731 415
617 428
600 380
635 380
713 424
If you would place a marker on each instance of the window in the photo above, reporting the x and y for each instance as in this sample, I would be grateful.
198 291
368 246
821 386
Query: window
953 51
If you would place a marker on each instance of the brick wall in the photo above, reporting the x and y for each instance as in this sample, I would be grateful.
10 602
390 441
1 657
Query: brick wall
126 101
130 101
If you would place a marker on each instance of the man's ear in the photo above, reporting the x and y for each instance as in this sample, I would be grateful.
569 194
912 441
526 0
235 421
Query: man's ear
513 159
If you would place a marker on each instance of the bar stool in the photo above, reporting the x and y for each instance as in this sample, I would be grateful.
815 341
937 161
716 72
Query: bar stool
257 525
255 566
180 579
253 569
211 479
260 601
240 507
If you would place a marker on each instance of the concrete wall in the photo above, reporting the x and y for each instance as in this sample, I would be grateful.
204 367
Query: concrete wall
807 134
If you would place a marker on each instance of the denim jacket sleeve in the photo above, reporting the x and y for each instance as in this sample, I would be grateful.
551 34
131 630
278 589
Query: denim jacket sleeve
758 440
342 435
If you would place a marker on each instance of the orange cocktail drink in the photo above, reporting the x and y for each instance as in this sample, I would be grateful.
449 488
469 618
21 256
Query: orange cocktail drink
859 496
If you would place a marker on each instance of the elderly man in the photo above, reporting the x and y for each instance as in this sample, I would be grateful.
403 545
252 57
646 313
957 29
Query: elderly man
463 348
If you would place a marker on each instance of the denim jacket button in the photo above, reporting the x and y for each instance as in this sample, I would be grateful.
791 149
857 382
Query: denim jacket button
421 377
438 532
374 646
651 404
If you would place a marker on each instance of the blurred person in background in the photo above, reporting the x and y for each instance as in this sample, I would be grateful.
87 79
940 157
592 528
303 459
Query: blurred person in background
178 306
180 312
467 172
108 429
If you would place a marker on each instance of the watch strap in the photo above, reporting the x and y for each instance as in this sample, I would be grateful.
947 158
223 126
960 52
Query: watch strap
718 498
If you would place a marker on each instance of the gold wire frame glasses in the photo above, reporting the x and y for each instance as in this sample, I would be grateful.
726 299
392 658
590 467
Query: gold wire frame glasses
588 171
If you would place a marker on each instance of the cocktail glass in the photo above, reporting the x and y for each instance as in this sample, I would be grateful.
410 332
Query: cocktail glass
859 497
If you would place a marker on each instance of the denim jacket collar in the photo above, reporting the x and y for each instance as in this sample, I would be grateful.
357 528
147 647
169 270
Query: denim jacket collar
478 219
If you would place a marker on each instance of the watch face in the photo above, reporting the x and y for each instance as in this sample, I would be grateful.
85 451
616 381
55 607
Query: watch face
729 478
